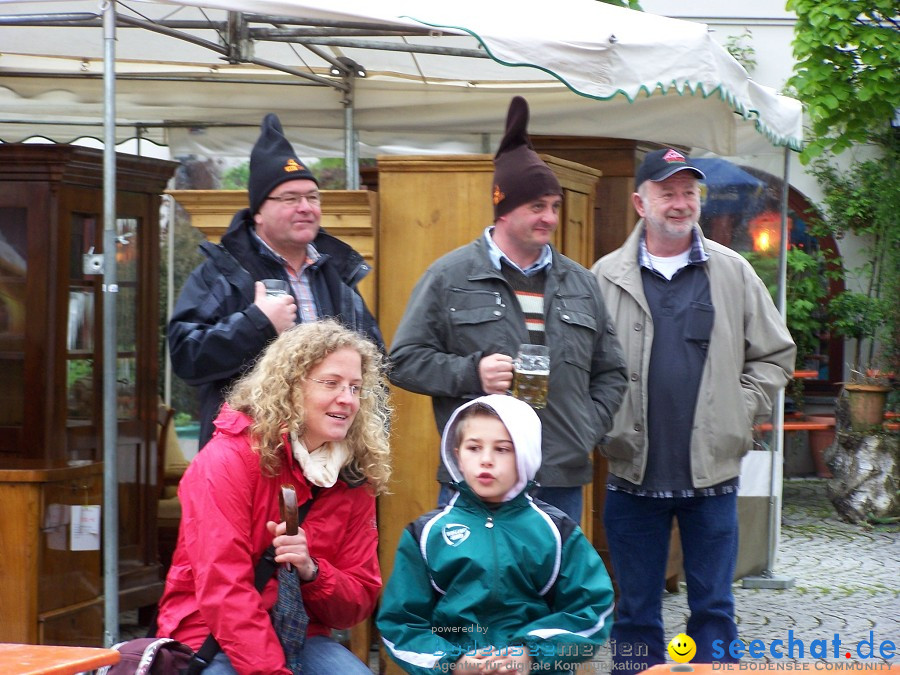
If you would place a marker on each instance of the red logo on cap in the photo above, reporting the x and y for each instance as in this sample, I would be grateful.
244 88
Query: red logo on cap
498 195
672 156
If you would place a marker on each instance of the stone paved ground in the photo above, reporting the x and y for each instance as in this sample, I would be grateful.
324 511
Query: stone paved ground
846 581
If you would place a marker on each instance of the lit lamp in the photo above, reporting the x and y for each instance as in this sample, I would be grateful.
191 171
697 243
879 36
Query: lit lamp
765 230
762 240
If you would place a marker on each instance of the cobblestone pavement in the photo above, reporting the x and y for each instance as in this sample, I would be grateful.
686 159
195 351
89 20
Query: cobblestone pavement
846 582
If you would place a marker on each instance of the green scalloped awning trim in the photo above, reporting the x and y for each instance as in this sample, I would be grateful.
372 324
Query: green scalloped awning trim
724 95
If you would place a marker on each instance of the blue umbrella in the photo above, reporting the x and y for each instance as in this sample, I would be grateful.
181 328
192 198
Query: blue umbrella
729 189
289 617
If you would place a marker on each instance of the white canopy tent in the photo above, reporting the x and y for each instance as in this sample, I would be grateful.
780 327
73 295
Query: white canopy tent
360 78
587 69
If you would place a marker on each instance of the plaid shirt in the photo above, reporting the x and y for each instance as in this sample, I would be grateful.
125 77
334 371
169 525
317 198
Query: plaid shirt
301 287
696 255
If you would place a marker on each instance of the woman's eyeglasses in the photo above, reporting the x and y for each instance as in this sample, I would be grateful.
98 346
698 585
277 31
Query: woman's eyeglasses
356 390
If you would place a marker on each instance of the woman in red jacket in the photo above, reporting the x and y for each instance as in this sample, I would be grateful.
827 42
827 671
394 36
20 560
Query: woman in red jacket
312 412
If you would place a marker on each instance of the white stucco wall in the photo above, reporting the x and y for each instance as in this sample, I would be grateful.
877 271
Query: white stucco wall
770 23
772 29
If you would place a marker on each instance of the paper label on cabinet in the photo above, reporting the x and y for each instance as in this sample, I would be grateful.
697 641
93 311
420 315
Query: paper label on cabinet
56 522
85 528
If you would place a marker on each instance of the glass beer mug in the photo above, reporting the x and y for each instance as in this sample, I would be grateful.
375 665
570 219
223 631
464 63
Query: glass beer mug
532 375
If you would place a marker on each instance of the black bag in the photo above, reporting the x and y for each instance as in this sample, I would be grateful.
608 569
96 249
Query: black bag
150 656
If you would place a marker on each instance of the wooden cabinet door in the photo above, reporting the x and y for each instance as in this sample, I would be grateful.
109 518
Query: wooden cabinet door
428 206
44 573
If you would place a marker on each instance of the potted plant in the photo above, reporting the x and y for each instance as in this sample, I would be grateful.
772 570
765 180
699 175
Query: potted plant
805 319
867 388
804 297
860 317
865 200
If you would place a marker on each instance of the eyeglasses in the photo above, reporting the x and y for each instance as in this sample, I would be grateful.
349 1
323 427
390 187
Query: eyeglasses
291 200
356 390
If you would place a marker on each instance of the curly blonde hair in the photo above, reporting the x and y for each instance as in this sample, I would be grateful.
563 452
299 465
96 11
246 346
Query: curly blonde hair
271 393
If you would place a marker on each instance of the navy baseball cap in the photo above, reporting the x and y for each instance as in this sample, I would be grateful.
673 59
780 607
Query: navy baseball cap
660 164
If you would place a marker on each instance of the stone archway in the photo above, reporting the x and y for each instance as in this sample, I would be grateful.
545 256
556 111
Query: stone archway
758 224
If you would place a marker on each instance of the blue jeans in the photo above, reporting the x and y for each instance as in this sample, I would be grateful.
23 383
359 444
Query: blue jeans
567 500
638 530
321 656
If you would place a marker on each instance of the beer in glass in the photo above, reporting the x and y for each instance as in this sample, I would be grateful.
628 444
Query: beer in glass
532 375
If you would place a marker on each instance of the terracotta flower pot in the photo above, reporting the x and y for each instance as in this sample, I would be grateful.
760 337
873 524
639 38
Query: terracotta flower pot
819 441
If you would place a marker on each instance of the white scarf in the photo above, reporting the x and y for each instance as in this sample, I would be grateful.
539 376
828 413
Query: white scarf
322 466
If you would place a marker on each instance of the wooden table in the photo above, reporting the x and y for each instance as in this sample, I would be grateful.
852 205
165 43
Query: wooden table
16 659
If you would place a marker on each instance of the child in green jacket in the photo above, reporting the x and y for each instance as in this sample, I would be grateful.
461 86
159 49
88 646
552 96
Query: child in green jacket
495 580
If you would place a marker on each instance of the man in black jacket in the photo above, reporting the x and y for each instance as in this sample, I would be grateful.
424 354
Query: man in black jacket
223 318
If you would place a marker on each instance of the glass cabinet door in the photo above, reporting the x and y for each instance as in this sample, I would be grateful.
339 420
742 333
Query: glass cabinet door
83 341
52 350
84 336
127 304
13 277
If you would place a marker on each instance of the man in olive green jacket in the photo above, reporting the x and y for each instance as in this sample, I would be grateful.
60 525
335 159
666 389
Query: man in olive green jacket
474 306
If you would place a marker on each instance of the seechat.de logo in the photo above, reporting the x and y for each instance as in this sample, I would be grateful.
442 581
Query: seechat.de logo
797 648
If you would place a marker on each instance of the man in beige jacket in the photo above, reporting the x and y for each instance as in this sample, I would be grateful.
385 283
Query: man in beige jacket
706 352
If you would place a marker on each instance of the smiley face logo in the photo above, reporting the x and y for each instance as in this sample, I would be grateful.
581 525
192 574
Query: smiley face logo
682 648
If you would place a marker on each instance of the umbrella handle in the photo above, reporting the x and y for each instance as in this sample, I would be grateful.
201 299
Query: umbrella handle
287 501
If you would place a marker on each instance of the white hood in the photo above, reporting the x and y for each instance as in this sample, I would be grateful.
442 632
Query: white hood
524 428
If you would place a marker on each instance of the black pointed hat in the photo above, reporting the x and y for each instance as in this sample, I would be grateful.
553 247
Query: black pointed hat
520 176
272 162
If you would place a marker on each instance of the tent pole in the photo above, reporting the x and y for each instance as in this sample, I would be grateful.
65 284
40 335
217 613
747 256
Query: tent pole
351 150
778 427
782 249
170 293
110 344
768 578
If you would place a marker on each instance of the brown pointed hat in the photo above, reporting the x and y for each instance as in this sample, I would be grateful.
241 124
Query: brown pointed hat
273 162
520 176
